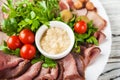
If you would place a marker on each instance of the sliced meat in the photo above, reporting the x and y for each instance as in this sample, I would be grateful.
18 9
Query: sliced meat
3 37
80 12
98 21
82 49
100 36
48 74
71 4
91 54
80 64
75 4
54 72
52 75
31 72
70 68
8 61
15 72
63 5
47 77
61 70
43 72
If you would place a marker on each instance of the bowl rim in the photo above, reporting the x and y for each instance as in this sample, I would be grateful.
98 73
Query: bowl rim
42 30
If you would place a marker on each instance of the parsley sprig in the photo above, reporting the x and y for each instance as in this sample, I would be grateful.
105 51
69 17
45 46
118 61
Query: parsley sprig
26 14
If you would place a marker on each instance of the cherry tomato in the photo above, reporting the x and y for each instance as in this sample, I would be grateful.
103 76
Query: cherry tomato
27 36
13 42
80 27
28 51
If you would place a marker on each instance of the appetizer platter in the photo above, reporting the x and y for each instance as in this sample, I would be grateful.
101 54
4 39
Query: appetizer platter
53 39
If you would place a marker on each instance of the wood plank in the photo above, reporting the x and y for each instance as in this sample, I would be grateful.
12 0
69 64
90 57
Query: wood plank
111 72
112 69
114 60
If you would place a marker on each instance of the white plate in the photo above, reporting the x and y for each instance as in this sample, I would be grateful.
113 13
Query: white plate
94 70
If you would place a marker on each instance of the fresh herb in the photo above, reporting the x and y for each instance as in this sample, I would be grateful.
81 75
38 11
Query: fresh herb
47 62
6 50
86 37
92 40
26 14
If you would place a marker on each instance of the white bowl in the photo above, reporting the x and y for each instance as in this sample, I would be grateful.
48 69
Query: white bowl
58 24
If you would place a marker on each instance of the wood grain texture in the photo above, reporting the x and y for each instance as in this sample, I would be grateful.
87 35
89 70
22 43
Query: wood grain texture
112 69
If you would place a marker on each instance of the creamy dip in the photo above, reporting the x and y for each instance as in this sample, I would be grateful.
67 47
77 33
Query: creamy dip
55 40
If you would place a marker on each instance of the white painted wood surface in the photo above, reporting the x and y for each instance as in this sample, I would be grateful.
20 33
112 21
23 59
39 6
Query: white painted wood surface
112 69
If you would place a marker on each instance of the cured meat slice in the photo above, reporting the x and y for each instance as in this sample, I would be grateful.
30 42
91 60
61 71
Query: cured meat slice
43 72
70 68
98 21
31 72
48 74
80 64
90 54
8 61
100 36
63 5
81 12
15 71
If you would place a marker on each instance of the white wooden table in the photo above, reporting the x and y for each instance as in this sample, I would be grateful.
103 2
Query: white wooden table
112 69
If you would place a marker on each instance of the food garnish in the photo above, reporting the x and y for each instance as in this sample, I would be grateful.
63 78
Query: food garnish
27 36
14 42
25 18
28 51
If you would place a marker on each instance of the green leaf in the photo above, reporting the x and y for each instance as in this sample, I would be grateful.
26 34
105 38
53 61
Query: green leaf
10 2
32 14
4 9
10 26
90 24
28 21
6 50
92 40
86 37
49 63
35 25
76 49
46 65
16 52
35 60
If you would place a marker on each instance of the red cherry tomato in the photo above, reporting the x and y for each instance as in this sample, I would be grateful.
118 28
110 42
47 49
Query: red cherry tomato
13 42
27 36
80 27
28 51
